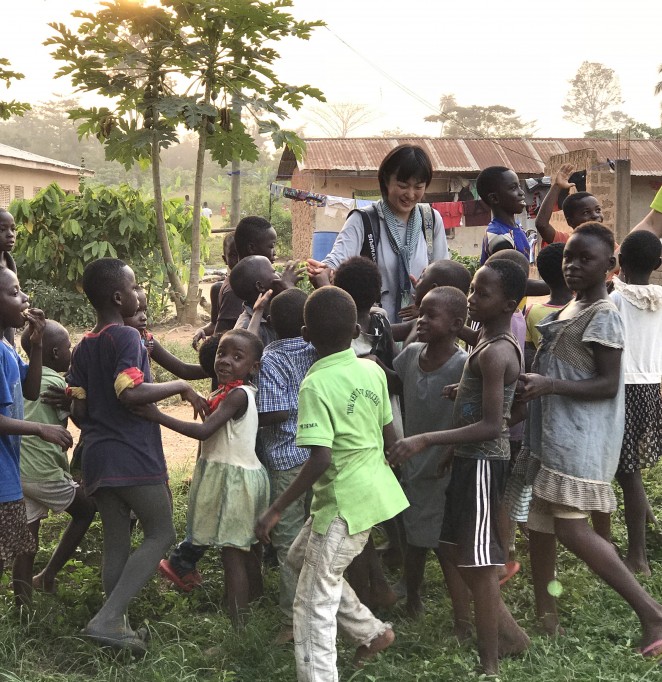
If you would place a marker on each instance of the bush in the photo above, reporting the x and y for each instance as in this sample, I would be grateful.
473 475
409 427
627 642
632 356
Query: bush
69 308
60 233
471 263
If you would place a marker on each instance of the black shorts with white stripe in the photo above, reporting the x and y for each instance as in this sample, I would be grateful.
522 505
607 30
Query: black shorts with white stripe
473 498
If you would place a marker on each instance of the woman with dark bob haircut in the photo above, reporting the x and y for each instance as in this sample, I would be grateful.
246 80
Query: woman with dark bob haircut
401 247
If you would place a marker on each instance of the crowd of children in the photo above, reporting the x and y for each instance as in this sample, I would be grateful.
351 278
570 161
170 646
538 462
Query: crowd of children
325 420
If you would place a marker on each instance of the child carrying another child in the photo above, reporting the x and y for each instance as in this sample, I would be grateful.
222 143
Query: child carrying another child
230 487
640 305
18 380
123 463
47 483
578 381
481 458
345 418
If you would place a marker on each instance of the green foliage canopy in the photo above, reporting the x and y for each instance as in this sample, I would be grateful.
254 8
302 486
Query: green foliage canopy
59 233
13 108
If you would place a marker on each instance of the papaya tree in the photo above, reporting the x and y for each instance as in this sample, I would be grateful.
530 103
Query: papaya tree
60 233
12 108
182 64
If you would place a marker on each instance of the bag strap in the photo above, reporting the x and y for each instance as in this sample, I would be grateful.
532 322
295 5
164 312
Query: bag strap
428 227
371 230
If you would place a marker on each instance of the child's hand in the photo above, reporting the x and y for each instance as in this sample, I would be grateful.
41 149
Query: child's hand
262 300
149 411
57 397
292 274
449 391
265 523
408 313
563 176
532 386
445 462
56 434
319 274
37 323
200 404
405 449
200 335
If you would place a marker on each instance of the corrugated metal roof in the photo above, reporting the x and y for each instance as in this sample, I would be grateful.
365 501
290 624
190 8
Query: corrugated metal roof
7 154
526 156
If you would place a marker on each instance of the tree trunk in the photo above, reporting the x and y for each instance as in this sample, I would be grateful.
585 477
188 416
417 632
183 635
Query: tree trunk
190 313
178 292
235 187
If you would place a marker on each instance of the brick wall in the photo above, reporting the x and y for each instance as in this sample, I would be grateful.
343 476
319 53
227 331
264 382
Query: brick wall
600 181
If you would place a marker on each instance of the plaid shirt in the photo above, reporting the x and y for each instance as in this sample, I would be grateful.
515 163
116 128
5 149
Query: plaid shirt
283 366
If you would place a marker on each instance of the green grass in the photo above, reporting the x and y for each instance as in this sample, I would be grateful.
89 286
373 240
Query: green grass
44 646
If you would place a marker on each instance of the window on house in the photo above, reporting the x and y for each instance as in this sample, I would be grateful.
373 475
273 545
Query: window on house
18 192
5 196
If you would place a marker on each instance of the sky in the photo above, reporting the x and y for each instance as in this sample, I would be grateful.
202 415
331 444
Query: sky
516 54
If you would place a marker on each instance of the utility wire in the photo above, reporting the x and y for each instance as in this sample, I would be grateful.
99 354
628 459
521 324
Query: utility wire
423 101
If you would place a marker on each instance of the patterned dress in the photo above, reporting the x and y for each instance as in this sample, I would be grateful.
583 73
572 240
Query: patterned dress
573 444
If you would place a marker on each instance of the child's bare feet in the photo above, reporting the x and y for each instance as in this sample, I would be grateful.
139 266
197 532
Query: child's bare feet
382 596
379 644
415 608
550 625
463 631
41 584
637 566
284 636
512 641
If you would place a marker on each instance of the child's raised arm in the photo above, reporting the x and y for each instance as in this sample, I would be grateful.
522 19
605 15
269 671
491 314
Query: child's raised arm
258 312
32 383
561 181
183 370
602 386
233 407
495 365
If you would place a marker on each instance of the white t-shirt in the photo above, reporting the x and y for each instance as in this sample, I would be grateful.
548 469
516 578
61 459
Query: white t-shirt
350 240
640 306
206 212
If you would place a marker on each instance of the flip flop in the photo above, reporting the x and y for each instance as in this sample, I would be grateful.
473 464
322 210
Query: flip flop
167 571
652 650
512 567
132 641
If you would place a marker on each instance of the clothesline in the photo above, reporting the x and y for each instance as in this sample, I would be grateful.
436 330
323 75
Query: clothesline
475 212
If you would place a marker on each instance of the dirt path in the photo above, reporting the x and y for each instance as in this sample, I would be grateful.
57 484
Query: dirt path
179 450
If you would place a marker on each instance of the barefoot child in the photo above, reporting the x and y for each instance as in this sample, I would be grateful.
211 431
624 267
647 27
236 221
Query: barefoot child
230 487
578 382
123 463
47 483
424 369
640 305
470 531
345 418
18 380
